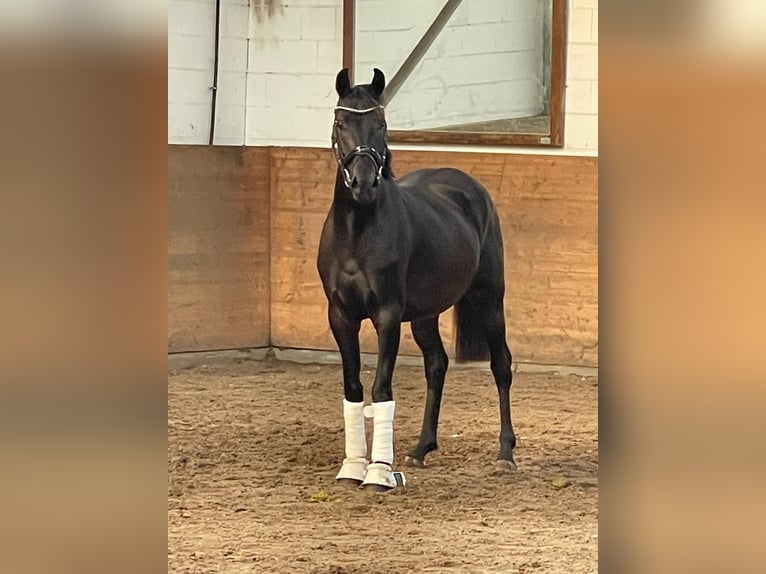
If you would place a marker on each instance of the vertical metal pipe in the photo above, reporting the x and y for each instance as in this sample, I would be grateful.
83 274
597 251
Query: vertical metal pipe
215 69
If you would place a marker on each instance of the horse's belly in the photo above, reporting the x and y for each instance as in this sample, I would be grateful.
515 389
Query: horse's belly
440 271
429 294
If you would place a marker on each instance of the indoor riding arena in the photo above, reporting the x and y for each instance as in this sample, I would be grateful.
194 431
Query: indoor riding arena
507 92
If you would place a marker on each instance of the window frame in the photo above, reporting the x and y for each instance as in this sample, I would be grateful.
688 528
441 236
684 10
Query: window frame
555 137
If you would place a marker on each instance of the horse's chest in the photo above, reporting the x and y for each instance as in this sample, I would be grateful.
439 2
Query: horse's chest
353 289
351 278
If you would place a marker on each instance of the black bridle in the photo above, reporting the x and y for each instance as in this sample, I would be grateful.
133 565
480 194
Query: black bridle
378 159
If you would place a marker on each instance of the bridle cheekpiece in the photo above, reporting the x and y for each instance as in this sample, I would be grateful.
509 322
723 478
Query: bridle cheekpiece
378 159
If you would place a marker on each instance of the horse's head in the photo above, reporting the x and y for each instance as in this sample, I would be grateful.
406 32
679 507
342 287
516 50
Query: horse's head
359 136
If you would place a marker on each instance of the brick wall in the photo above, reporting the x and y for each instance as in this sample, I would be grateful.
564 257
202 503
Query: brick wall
278 64
295 52
190 70
191 31
581 122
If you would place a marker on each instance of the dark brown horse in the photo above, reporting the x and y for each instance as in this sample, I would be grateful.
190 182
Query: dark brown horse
405 250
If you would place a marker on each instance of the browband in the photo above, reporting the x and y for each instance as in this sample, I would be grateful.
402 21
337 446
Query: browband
355 111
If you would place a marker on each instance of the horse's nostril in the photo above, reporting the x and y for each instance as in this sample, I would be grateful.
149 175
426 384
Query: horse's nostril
354 182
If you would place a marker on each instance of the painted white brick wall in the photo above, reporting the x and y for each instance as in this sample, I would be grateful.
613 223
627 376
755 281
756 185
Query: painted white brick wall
191 28
294 53
485 65
191 32
277 80
581 120
232 73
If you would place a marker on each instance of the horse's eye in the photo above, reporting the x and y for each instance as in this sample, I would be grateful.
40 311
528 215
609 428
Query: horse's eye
383 126
338 124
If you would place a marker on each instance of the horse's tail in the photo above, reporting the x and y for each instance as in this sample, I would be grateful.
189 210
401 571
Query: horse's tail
470 333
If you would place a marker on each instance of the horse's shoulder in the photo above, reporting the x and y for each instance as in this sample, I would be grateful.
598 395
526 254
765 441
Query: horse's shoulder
413 178
445 191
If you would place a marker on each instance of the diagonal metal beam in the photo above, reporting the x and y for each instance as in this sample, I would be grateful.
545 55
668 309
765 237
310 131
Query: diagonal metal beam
420 50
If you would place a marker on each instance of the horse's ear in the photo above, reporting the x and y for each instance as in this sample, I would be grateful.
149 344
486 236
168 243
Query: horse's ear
378 83
342 83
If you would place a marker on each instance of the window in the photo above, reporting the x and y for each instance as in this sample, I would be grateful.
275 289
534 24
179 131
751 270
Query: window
463 71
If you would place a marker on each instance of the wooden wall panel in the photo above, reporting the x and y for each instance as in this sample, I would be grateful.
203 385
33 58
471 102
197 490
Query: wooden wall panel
244 227
548 207
218 247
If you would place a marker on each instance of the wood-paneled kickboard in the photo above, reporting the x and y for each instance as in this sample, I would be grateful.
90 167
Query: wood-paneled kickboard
218 247
548 207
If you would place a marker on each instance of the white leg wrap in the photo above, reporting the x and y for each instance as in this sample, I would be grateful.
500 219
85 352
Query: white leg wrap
383 432
380 472
356 442
355 463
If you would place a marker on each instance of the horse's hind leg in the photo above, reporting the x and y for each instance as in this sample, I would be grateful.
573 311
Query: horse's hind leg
426 334
500 363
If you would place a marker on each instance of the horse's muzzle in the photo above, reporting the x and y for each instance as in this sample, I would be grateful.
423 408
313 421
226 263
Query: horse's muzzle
364 194
364 179
357 179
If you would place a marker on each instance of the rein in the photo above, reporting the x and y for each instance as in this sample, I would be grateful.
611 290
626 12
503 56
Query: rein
378 159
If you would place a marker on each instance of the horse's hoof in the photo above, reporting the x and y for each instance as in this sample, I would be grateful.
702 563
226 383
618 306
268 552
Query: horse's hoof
352 471
504 466
348 482
380 477
414 462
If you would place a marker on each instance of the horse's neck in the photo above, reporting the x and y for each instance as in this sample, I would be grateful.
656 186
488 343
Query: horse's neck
341 193
351 219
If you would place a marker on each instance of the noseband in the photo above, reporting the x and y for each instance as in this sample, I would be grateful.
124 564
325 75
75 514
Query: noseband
378 159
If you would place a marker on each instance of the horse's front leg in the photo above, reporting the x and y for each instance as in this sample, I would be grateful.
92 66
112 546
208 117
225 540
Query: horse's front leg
346 333
380 475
